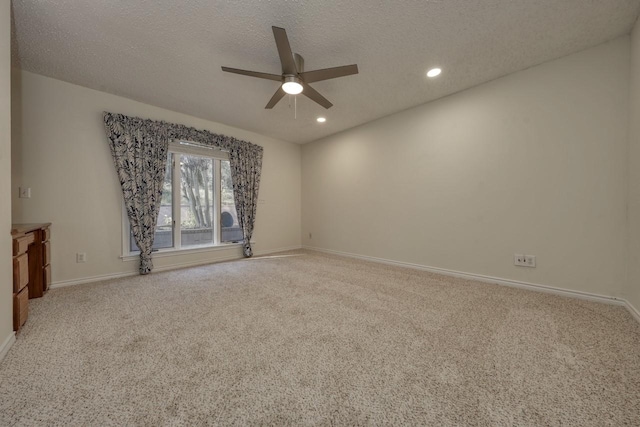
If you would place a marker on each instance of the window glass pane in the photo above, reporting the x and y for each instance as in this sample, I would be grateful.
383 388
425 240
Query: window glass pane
164 227
196 200
230 229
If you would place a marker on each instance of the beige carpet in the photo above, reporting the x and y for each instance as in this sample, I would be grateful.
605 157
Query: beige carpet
312 339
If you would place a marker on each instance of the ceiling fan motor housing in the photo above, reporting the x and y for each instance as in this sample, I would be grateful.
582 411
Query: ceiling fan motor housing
292 84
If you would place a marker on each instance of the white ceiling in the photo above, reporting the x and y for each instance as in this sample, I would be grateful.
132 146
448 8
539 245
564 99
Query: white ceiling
169 53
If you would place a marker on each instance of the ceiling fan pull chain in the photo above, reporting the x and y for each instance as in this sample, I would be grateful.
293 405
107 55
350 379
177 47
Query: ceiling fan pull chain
295 107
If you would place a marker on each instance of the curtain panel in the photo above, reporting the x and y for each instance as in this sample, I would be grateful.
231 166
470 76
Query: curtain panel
139 148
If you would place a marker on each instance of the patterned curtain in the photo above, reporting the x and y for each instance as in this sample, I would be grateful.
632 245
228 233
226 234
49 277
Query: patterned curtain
140 155
246 167
139 148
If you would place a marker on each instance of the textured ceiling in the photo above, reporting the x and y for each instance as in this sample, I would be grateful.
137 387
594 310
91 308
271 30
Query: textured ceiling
168 53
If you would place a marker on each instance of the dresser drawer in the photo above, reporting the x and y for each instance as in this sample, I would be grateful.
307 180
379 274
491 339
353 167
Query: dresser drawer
20 272
46 253
31 271
21 244
20 308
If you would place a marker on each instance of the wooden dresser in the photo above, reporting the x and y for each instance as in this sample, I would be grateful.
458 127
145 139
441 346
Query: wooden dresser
31 267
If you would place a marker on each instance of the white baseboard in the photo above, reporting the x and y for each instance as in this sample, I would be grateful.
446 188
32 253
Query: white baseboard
91 279
179 265
274 251
486 279
6 345
175 266
634 311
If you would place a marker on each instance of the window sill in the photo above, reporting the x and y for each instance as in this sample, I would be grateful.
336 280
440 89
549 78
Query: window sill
164 253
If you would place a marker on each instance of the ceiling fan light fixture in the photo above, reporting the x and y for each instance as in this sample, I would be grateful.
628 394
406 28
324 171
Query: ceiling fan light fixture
434 72
321 119
292 85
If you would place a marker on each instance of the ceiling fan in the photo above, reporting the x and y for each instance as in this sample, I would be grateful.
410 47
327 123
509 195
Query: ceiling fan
293 78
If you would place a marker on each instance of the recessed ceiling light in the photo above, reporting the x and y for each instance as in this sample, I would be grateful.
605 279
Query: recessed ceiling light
434 72
321 119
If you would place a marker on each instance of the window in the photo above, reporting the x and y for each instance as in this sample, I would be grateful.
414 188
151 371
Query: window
197 208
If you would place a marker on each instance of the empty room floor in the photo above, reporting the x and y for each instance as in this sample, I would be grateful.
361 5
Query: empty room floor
305 338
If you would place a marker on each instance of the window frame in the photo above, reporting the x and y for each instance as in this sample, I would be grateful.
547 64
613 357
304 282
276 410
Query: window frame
177 148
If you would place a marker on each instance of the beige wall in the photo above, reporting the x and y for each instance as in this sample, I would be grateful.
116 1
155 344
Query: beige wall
6 280
60 150
633 291
534 162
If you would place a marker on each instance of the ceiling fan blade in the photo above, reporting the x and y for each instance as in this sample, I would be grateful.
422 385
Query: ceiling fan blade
275 98
329 73
284 50
314 95
257 74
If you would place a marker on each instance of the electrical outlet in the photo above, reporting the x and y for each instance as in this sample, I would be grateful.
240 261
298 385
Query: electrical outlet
521 260
81 257
24 192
